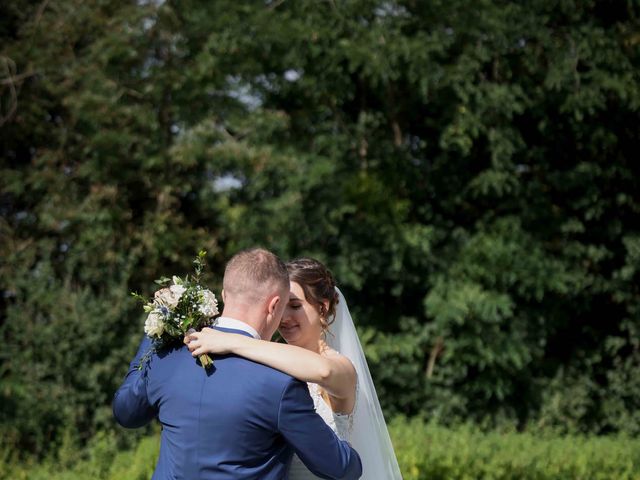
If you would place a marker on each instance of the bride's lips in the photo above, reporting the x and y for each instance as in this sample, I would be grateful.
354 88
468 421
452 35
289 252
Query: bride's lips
288 329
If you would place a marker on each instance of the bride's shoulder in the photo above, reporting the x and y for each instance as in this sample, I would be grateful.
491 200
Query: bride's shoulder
339 357
329 352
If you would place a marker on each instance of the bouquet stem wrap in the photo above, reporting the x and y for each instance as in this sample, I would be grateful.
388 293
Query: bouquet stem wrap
205 360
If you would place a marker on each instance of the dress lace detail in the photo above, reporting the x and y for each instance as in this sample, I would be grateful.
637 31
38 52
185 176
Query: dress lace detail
340 423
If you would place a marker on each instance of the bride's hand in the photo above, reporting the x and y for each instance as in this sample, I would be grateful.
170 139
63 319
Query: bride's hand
208 341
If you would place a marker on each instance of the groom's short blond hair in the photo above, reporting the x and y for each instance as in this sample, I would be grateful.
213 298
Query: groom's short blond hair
254 274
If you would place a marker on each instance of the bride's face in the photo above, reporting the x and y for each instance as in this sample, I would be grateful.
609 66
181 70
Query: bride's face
301 324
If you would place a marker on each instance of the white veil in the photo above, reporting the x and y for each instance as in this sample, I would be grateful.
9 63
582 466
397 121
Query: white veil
369 435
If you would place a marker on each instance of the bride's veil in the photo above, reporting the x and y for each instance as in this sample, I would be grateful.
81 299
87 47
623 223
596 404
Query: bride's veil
369 435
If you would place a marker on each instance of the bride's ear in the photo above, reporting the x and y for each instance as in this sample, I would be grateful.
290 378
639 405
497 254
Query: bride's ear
324 308
222 295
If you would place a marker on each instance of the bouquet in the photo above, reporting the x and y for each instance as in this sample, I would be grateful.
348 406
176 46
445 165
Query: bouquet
183 305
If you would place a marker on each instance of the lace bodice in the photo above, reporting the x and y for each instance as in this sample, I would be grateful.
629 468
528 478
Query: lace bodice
340 423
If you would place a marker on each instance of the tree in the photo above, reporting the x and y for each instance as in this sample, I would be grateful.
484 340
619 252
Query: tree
466 173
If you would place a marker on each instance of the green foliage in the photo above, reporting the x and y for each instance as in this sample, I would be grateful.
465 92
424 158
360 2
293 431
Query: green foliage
102 459
425 451
436 453
466 173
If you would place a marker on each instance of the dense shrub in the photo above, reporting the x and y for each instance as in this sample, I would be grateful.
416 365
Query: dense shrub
425 452
432 452
100 460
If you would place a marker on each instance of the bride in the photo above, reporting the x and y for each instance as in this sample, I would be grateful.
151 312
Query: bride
323 350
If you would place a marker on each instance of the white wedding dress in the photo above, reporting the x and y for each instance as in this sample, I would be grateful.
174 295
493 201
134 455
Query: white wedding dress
365 428
340 423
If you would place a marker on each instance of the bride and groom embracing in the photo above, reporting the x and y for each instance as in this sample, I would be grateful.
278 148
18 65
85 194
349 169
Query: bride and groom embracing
302 410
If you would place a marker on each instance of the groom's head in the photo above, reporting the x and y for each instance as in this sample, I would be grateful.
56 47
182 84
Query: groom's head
256 289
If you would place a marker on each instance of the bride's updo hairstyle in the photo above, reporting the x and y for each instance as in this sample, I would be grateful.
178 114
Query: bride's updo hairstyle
318 286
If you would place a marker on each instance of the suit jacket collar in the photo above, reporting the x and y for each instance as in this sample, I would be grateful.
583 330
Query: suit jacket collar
229 323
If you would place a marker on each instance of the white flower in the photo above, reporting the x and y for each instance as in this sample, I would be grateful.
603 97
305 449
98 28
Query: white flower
169 296
208 304
177 291
154 326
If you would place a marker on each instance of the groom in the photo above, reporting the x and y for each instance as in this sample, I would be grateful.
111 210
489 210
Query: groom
240 420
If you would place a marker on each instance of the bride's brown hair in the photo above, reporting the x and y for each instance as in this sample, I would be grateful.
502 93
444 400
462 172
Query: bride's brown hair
318 285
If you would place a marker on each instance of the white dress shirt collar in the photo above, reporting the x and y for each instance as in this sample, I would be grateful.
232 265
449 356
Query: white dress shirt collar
228 322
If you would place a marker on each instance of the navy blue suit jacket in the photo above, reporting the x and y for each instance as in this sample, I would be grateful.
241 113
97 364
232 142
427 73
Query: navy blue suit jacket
240 420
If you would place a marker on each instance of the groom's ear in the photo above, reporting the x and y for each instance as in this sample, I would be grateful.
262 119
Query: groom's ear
273 303
271 307
222 295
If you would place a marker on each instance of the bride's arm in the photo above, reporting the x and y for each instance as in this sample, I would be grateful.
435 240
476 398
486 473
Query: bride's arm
334 372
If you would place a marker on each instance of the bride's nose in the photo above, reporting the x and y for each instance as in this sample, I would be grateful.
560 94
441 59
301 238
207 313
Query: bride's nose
286 316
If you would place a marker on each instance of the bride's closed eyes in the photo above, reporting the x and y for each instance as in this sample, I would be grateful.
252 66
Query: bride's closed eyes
294 302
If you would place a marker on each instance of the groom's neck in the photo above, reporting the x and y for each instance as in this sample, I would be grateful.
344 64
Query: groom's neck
251 318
